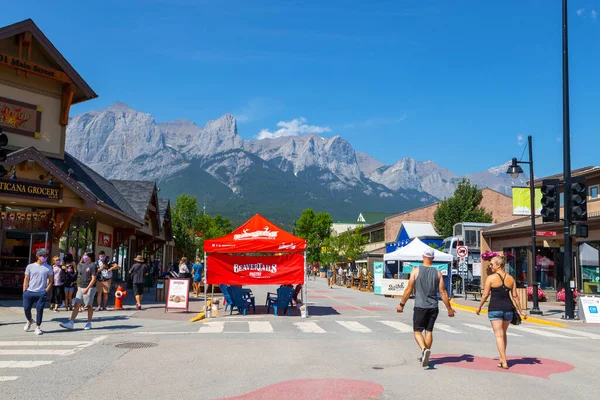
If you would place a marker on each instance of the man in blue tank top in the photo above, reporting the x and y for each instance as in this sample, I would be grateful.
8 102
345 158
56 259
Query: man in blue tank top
426 282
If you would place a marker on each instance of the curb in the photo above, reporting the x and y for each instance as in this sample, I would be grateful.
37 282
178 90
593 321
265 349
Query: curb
529 319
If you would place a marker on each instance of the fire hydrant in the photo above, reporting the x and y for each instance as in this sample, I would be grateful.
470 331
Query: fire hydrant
119 295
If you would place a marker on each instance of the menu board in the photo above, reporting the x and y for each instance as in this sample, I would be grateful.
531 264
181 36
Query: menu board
178 294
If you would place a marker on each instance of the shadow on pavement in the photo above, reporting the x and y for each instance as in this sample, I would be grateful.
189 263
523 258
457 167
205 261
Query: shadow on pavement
523 361
321 311
94 328
452 359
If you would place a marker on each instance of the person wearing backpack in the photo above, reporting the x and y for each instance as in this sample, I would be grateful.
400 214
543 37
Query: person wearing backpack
59 281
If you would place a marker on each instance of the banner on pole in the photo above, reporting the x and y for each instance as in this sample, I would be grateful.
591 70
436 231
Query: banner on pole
377 276
522 201
255 270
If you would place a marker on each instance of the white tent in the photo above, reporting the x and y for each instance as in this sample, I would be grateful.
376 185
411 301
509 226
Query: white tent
414 252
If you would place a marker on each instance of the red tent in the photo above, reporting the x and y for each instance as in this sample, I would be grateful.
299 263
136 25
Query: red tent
225 265
257 235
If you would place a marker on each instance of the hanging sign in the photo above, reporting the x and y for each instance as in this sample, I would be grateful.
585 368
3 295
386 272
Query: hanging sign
37 69
286 269
178 294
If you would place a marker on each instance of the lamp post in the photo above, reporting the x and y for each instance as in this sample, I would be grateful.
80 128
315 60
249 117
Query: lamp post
514 170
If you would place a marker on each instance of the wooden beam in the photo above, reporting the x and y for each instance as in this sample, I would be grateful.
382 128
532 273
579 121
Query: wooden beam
121 236
62 218
27 66
142 243
65 104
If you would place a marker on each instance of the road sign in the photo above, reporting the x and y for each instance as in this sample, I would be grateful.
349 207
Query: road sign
462 260
545 233
462 251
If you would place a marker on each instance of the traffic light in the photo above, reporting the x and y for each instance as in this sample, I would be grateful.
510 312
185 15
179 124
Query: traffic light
578 194
3 143
551 200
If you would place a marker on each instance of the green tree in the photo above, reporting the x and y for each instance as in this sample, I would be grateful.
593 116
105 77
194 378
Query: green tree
315 228
352 244
191 229
462 207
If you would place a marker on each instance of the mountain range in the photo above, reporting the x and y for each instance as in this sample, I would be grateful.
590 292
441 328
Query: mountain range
276 177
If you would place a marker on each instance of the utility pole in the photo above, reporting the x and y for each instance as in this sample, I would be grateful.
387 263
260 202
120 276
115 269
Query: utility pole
568 260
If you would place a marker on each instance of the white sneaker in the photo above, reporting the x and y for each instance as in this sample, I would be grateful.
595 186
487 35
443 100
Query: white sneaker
38 331
67 325
425 359
98 308
88 326
27 326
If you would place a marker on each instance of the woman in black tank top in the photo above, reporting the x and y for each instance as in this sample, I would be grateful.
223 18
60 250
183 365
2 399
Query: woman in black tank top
500 286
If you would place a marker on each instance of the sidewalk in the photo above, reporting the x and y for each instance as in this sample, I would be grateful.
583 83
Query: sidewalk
552 311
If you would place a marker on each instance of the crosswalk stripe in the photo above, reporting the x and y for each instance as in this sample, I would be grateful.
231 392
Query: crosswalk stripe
42 343
23 364
42 352
488 329
575 332
541 333
260 327
212 327
399 326
446 328
354 326
8 378
309 327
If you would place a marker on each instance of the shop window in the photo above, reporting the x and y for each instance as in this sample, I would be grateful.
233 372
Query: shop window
517 260
590 267
78 237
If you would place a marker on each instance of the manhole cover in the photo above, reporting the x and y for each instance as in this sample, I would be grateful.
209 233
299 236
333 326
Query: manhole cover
377 367
135 345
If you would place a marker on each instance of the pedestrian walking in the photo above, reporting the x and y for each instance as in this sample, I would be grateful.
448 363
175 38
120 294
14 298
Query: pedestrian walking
330 277
104 280
70 283
184 271
426 281
86 290
197 270
500 286
138 271
59 282
38 282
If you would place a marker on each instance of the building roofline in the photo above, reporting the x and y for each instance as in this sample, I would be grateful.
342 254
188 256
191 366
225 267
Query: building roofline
29 26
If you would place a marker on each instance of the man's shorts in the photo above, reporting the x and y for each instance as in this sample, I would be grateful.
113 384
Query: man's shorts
138 289
103 287
86 300
424 319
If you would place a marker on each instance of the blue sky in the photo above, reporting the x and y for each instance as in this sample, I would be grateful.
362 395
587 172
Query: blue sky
456 82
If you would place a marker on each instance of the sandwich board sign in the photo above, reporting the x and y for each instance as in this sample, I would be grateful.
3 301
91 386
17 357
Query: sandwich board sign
589 307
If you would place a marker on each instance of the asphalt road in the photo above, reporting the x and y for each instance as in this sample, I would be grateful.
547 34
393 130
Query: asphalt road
353 346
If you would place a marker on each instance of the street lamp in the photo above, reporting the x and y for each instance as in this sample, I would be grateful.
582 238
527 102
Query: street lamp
514 170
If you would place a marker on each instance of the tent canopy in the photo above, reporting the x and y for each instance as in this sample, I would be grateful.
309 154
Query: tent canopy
257 235
414 252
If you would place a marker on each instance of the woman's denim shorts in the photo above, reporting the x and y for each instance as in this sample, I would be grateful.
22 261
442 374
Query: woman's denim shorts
503 315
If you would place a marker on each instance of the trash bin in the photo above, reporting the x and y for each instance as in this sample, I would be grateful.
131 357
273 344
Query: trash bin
160 289
522 293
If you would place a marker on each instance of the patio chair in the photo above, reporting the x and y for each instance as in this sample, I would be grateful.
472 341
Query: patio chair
227 296
283 300
239 301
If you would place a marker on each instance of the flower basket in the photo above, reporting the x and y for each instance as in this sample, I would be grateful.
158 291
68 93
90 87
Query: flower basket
561 296
488 255
541 294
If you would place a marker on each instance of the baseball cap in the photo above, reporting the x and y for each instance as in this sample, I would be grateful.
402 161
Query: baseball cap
429 253
41 252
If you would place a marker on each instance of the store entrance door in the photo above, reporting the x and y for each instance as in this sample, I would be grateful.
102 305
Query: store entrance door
37 241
